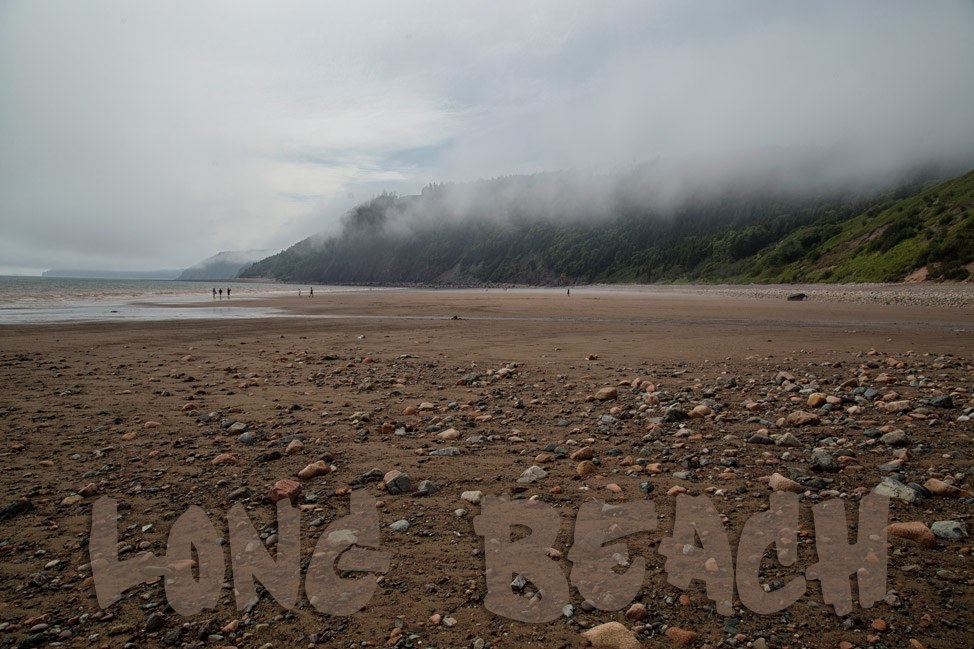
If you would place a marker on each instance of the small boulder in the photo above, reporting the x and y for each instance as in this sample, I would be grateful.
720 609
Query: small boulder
611 635
950 530
606 394
284 489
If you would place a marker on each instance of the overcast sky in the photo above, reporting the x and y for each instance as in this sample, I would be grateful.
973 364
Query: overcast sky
143 135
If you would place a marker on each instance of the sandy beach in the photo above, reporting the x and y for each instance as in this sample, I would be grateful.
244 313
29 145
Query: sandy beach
161 415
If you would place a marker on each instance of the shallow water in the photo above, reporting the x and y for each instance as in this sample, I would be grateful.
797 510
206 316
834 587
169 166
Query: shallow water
25 300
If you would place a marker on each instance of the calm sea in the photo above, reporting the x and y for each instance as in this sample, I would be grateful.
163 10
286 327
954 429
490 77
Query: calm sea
52 299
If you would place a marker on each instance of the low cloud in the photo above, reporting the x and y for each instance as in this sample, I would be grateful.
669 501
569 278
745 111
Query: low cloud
140 135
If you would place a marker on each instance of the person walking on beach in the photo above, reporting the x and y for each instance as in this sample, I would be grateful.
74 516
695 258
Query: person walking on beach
214 293
312 290
221 293
299 292
228 292
569 291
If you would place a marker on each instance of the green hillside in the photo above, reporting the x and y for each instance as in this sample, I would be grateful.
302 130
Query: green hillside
503 233
933 229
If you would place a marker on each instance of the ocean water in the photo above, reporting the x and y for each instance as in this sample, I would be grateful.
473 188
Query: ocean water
53 299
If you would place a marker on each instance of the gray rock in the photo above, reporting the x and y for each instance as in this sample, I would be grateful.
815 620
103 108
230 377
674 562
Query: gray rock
154 622
895 438
425 488
247 438
237 494
787 440
951 530
675 414
449 451
400 484
895 489
823 461
400 526
472 497
532 474
943 401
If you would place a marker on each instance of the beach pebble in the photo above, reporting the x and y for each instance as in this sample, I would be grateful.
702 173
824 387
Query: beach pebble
400 526
896 489
314 470
803 418
681 636
951 530
584 453
586 469
472 497
606 394
611 635
532 474
778 482
284 489
397 482
915 531
294 446
823 461
224 458
89 490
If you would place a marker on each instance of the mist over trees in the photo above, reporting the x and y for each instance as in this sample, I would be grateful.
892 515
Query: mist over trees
644 224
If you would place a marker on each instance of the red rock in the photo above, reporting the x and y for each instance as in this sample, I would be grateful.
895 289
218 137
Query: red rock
224 458
611 635
816 399
879 624
151 424
295 446
284 489
802 418
88 490
314 470
681 636
941 488
584 453
605 394
916 531
636 612
778 482
585 469
700 412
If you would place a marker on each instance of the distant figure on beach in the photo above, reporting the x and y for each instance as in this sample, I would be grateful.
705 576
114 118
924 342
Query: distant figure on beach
312 291
299 292
214 293
221 293
228 292
569 290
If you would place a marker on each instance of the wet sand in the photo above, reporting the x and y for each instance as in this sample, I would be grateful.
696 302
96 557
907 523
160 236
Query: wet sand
139 411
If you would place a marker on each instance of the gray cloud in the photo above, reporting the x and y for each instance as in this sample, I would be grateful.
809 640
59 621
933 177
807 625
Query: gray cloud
145 134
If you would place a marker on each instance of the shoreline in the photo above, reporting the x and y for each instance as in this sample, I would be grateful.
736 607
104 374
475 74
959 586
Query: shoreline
502 302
